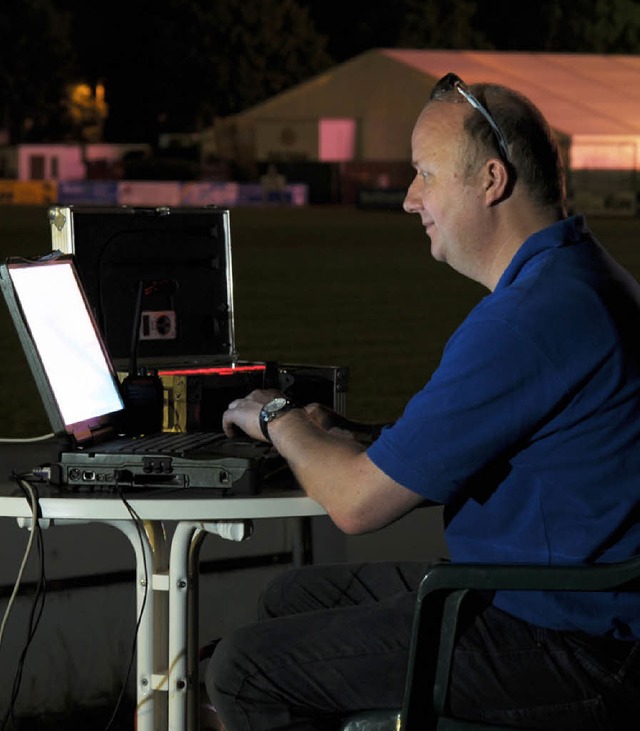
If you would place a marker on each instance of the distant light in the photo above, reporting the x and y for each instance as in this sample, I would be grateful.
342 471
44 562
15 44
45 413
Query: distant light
605 152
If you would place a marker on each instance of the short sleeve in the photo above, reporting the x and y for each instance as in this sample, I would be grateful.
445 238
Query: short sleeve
490 392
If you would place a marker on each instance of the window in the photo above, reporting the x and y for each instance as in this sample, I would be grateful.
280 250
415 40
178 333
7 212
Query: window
336 140
36 167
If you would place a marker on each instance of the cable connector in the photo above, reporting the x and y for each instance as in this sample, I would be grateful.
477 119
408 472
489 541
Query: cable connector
43 472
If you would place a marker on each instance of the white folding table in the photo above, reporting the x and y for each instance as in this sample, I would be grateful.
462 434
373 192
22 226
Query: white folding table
166 573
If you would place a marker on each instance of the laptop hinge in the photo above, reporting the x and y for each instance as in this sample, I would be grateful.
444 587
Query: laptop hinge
93 435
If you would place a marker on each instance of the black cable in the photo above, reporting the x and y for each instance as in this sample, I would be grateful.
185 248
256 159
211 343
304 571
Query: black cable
35 615
37 606
137 520
135 332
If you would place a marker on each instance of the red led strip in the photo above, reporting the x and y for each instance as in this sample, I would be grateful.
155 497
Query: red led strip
220 370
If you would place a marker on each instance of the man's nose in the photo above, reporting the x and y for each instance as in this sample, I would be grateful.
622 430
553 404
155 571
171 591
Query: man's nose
412 202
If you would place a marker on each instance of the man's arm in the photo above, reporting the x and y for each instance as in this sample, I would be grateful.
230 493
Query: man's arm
331 421
334 471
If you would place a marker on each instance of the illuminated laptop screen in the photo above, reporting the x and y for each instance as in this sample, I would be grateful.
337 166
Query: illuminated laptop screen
64 335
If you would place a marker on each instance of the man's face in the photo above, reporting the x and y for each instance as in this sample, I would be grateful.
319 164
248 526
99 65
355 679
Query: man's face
447 199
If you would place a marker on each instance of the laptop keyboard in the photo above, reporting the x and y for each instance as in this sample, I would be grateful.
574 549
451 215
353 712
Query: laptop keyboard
167 443
196 445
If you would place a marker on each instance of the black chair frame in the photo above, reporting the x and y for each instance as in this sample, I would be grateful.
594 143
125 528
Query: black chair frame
435 625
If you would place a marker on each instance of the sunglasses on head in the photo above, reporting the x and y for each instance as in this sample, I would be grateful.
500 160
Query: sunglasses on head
452 82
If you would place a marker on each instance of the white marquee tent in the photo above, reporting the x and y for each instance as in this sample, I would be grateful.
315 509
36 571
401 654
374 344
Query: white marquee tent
363 110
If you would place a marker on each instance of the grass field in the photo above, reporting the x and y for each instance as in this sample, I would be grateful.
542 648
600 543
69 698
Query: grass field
332 286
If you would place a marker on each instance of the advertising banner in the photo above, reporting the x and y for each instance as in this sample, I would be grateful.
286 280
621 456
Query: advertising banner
149 193
224 195
89 192
28 192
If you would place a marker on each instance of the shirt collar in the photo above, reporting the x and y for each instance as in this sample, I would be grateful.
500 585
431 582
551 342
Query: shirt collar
564 232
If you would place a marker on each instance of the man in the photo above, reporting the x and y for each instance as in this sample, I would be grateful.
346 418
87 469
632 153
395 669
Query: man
528 432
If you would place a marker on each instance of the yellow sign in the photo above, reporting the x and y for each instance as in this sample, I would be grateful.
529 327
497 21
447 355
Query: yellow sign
28 192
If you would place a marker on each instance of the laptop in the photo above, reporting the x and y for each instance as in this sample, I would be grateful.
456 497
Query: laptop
82 398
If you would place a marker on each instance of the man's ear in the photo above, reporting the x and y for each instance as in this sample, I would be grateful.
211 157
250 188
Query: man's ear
497 180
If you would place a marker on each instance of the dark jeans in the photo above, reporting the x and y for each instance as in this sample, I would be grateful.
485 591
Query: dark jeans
332 640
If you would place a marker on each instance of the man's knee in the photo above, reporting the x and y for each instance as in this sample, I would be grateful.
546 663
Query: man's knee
308 589
240 682
271 602
285 594
227 669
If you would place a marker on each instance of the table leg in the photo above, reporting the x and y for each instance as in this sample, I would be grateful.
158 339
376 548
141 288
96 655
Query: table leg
183 616
150 547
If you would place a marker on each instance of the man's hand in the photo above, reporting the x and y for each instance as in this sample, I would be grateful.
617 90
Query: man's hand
328 420
339 426
321 415
244 413
330 465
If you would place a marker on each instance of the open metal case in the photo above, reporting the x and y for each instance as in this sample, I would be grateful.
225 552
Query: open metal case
160 283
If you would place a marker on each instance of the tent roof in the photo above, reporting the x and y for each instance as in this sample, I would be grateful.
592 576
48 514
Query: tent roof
580 94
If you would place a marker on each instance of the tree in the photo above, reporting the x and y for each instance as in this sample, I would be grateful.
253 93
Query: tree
575 26
364 24
358 26
175 65
270 46
596 26
34 66
585 26
441 24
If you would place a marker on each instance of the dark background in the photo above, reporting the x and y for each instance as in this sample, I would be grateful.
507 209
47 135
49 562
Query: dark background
177 65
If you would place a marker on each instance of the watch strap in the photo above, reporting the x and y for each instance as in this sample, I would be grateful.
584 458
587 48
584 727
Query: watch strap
264 427
266 418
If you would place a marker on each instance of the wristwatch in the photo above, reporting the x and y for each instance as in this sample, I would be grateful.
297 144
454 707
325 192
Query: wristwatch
272 410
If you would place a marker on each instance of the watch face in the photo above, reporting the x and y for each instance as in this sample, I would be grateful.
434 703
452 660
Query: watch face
273 406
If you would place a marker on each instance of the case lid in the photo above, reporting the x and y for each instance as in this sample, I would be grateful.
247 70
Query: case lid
171 266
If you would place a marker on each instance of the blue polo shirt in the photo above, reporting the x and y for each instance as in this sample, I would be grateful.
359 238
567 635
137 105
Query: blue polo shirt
529 430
